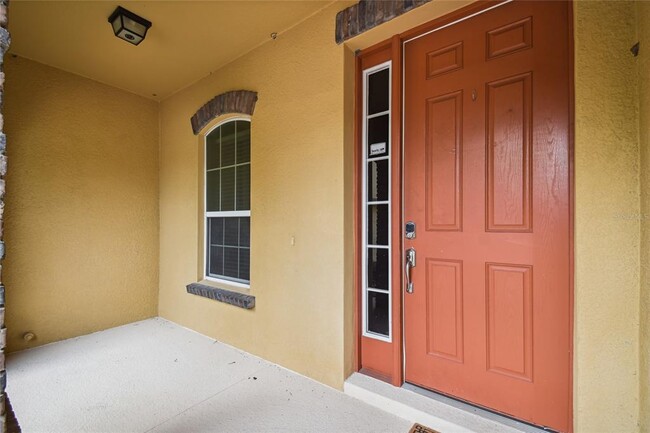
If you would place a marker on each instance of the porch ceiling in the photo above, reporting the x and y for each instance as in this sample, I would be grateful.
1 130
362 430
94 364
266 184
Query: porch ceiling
188 39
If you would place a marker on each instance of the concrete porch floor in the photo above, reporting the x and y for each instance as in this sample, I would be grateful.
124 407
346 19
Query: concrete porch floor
155 376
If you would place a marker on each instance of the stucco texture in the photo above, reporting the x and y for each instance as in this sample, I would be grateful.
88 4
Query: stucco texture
300 184
81 206
297 190
94 170
643 20
607 222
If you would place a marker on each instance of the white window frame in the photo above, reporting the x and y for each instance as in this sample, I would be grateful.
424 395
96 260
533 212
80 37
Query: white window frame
364 207
224 214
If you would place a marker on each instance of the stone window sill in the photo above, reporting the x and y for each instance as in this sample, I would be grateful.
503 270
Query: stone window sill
226 296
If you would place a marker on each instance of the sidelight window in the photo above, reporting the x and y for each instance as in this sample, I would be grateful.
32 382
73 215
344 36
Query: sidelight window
376 276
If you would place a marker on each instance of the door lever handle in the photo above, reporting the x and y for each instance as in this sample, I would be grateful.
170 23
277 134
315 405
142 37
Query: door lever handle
410 264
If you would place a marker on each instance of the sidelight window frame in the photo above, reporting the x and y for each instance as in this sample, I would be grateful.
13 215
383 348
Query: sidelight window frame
365 203
230 281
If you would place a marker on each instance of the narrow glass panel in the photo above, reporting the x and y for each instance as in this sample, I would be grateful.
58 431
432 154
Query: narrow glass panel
231 262
243 187
378 92
117 25
377 136
212 191
227 144
244 264
244 232
216 231
216 261
134 26
228 189
378 313
231 232
378 268
212 150
207 257
378 224
378 180
243 141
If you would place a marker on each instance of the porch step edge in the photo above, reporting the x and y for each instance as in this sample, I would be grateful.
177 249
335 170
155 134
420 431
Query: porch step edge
427 411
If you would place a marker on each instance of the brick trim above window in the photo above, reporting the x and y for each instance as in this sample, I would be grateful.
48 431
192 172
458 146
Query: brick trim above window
236 101
367 14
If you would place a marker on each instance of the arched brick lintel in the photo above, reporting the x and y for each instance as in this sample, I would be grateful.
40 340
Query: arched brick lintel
236 101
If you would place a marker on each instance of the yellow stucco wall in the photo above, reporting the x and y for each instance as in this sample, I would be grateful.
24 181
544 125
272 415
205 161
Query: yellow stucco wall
349 63
87 176
298 190
300 186
643 66
81 206
607 219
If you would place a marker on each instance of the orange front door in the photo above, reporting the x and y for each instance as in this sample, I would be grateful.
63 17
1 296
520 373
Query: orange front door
487 184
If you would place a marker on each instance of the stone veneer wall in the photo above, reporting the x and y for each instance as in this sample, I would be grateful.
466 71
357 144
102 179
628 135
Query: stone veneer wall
8 422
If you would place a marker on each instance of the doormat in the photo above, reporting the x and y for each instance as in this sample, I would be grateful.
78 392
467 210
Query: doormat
419 428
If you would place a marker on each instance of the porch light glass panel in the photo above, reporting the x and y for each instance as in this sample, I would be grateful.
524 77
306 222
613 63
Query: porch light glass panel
227 183
134 26
377 203
117 25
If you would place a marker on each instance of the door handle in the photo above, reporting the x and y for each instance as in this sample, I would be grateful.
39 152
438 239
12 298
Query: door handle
410 264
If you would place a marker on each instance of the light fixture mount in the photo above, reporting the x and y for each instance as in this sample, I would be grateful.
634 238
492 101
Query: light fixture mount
129 26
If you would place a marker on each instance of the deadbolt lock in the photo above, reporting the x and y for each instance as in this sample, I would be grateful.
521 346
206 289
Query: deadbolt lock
410 230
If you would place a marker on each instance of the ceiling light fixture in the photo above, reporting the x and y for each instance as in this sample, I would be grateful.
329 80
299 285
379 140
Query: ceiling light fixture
129 26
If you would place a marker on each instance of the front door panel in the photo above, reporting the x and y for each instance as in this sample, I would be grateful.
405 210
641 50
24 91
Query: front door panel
486 180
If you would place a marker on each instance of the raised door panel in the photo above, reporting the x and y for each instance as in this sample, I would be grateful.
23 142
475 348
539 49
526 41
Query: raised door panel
447 59
510 38
510 320
445 309
444 162
509 140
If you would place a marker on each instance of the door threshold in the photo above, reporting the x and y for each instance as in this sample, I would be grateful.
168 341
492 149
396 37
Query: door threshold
482 412
431 409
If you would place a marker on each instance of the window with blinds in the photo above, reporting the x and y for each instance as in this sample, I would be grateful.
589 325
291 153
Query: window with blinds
227 201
